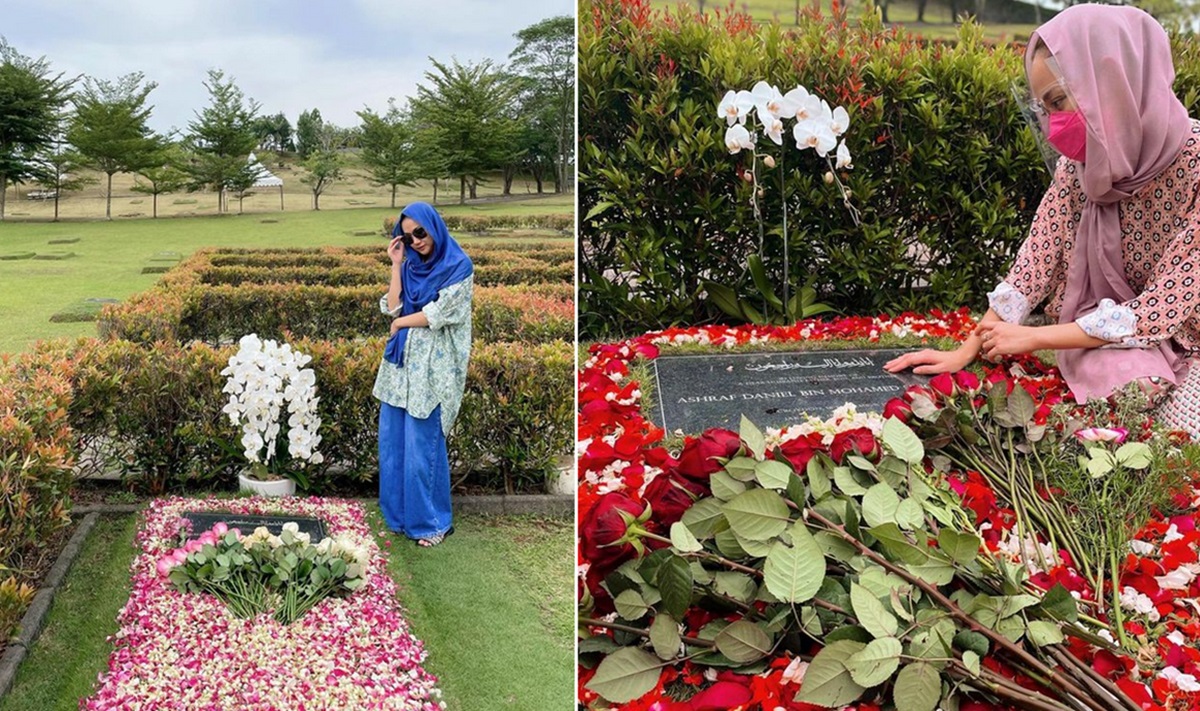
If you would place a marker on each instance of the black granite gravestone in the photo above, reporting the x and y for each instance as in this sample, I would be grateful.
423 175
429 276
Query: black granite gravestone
696 392
204 520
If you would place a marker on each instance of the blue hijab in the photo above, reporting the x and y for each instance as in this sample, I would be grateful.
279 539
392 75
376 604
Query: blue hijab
422 279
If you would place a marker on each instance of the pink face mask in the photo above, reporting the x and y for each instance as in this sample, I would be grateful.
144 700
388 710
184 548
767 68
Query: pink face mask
1068 133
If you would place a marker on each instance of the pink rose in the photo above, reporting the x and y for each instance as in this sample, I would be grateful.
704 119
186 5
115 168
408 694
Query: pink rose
220 529
1103 434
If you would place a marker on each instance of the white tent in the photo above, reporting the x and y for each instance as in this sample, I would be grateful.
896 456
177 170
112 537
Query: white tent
266 179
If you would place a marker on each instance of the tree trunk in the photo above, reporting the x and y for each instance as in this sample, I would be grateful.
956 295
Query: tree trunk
473 185
797 13
108 199
435 187
154 202
393 196
3 193
883 7
462 189
921 10
55 206
509 174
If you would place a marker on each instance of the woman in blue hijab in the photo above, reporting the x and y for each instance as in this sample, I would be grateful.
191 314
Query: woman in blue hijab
423 372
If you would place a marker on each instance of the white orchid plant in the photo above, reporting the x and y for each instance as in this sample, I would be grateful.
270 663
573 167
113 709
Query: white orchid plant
266 381
817 126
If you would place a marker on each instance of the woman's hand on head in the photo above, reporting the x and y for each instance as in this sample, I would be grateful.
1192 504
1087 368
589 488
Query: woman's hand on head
929 361
1003 338
396 251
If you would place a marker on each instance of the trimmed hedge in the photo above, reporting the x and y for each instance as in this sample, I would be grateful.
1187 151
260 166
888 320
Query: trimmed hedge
486 223
217 295
155 412
36 459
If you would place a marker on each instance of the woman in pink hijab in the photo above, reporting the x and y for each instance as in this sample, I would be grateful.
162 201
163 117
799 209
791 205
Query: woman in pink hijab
1112 250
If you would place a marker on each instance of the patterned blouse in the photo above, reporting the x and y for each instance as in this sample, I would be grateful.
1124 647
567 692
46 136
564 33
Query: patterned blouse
1160 250
435 358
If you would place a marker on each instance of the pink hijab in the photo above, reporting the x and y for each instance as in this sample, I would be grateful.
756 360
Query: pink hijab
1116 62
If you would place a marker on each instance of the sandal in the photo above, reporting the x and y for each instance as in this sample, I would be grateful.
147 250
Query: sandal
434 540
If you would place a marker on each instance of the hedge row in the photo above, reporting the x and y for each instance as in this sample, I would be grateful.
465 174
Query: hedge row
489 271
35 470
486 223
220 314
154 413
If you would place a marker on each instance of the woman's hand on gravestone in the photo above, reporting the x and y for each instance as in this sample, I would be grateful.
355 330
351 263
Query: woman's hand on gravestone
1003 338
930 362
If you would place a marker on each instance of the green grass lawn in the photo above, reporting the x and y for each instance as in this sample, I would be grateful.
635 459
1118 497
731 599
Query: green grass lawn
109 256
493 604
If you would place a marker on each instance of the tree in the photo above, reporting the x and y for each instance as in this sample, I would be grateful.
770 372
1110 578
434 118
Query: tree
32 99
464 120
324 168
221 138
164 174
59 171
387 147
547 55
308 132
274 133
109 127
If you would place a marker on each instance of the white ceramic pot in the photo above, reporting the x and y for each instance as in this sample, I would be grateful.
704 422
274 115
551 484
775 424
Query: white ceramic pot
276 488
563 480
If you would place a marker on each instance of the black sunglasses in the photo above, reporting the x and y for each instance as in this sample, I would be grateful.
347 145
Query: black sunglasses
406 238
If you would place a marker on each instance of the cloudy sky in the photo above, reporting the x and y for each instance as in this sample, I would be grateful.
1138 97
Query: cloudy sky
338 56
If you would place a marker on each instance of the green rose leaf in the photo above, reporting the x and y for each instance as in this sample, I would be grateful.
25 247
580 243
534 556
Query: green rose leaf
630 605
742 468
1134 455
971 662
1021 406
702 518
972 642
794 574
828 682
818 478
683 540
664 636
910 515
879 505
757 515
876 663
918 687
845 480
1044 632
903 442
753 438
1059 604
744 642
739 586
961 547
871 613
625 675
724 486
674 581
772 474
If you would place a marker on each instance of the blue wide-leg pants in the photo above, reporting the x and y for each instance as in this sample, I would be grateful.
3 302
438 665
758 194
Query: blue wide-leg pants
414 473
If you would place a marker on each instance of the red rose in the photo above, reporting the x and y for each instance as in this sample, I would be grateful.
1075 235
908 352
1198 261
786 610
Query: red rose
898 409
860 440
696 460
967 381
943 384
798 451
669 495
721 696
601 527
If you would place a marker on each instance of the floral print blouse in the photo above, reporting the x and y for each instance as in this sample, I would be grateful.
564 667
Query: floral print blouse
435 358
1160 250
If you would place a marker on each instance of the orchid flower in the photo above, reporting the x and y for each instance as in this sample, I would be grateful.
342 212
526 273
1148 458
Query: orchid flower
737 138
843 156
772 128
770 103
735 106
840 122
815 135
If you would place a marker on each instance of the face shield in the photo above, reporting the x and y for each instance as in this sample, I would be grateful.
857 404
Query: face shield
1048 106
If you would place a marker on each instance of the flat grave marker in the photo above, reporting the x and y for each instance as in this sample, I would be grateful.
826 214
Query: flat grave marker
204 520
696 392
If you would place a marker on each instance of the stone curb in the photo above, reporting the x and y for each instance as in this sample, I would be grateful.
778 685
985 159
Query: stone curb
35 616
559 505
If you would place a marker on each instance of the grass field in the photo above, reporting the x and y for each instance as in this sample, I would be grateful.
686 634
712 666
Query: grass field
939 22
109 256
352 191
493 605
